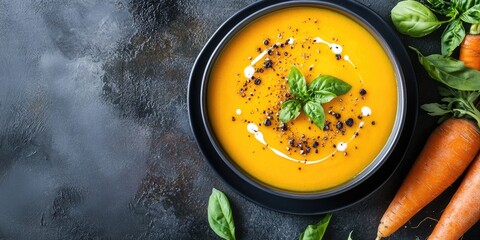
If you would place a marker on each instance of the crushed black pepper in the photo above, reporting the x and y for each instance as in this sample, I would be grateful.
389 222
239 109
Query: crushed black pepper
349 122
363 92
267 122
326 126
268 63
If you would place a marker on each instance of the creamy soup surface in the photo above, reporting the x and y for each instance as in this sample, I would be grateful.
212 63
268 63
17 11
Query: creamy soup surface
248 84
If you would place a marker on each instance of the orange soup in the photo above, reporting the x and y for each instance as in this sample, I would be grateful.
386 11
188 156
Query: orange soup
249 82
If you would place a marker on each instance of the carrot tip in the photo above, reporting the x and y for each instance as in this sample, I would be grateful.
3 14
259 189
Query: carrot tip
378 237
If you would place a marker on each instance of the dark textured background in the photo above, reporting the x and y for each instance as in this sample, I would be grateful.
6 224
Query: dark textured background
95 141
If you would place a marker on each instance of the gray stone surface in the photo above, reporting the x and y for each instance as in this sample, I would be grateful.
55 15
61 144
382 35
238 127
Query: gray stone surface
95 141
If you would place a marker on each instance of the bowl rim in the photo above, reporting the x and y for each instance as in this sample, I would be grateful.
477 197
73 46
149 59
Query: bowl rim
359 13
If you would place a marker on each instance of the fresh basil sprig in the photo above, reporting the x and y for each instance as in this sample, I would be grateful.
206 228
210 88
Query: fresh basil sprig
316 231
415 19
321 90
450 72
220 215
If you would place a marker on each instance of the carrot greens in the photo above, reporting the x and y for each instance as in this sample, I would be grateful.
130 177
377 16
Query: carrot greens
457 104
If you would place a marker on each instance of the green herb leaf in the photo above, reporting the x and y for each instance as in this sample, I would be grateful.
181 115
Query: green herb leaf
464 5
472 15
350 236
321 90
435 109
414 19
322 97
298 84
316 232
329 84
442 7
452 37
456 103
220 215
290 110
475 28
315 112
444 91
450 72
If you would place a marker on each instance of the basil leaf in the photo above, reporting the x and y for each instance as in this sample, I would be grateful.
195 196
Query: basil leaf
298 84
464 5
316 231
330 84
450 72
452 37
442 7
414 19
290 110
220 215
315 112
322 97
350 236
435 109
472 15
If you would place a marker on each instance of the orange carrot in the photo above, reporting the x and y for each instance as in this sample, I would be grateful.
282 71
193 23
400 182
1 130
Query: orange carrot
463 211
470 48
447 153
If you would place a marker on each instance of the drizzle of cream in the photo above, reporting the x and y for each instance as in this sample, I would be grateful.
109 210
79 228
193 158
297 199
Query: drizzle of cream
366 111
250 70
290 41
336 49
347 58
238 111
341 146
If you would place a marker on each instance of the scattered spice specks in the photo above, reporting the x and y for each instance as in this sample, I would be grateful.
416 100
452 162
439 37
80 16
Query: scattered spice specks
363 92
267 122
349 122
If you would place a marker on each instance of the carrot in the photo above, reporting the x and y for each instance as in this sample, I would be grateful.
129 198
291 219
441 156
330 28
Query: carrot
447 153
470 48
463 211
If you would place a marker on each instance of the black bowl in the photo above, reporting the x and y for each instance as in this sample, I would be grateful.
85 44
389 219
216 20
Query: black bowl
317 202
